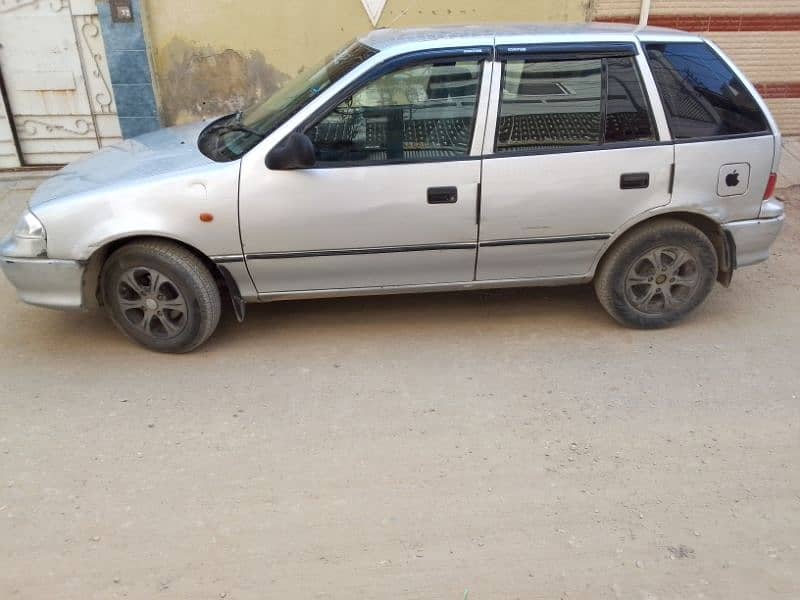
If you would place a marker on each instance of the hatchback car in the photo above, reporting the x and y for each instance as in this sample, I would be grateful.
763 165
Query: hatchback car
420 161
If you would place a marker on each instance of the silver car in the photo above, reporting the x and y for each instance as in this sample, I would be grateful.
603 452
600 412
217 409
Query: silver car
420 161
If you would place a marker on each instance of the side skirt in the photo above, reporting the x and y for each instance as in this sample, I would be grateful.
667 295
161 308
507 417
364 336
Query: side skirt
424 288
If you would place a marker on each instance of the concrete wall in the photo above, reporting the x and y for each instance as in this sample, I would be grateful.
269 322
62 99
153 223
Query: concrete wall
214 56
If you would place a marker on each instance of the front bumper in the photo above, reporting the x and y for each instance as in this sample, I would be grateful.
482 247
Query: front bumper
753 239
43 281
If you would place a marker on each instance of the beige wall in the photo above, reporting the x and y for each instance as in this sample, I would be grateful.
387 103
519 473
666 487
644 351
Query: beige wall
213 56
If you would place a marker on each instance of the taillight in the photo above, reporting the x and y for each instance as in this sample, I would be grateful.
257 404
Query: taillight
773 180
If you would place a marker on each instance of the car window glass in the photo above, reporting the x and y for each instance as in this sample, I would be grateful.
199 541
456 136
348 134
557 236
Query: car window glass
702 96
264 117
418 113
550 104
627 111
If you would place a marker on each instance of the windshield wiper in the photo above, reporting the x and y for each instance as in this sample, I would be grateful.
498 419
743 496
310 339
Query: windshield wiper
223 129
236 124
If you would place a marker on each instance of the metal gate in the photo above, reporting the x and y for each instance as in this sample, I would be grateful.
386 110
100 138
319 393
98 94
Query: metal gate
58 104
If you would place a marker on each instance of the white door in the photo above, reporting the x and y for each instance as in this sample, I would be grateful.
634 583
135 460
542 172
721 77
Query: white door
57 84
393 198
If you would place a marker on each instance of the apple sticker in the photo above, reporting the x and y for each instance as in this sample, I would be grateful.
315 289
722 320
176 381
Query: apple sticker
732 180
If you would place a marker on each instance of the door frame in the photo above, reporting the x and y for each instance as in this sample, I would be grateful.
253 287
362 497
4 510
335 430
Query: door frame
12 126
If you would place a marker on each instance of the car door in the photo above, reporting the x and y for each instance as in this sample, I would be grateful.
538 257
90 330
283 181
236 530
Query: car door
573 155
392 199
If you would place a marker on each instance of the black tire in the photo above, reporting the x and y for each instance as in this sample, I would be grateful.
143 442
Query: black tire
176 316
640 283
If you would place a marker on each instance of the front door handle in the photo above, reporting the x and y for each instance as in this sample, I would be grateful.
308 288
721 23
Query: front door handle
442 195
634 181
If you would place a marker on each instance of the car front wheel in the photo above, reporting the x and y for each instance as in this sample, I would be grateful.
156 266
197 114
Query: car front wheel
161 295
656 275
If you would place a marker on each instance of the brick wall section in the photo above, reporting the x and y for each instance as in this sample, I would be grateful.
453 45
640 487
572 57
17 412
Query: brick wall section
699 7
768 62
761 36
702 23
724 7
604 9
779 90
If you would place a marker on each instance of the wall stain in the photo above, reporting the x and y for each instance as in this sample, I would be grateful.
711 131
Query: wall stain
200 81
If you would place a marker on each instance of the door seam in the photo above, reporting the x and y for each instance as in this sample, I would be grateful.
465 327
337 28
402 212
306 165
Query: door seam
479 198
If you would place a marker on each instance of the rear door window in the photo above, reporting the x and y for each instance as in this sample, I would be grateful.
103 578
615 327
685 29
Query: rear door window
571 103
702 96
550 104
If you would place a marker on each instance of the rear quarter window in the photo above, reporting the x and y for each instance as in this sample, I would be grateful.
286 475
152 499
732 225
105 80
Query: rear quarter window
702 96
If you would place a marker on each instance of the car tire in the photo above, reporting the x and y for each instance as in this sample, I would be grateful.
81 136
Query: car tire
657 274
161 296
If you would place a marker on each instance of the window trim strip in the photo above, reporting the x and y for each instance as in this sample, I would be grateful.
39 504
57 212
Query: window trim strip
722 138
583 148
603 100
568 51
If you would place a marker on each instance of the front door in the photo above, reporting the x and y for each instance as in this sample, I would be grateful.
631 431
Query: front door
393 198
575 155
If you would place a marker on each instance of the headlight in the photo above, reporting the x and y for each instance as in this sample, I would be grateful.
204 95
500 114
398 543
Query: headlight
29 227
29 239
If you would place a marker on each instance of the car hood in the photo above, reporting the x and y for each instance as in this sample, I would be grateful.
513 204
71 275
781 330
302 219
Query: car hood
151 156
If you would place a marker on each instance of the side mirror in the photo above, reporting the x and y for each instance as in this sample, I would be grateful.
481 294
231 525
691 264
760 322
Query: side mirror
295 152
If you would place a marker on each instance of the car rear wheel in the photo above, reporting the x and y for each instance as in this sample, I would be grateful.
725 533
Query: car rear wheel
161 295
656 275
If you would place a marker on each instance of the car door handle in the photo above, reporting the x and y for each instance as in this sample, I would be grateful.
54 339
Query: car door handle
634 181
442 195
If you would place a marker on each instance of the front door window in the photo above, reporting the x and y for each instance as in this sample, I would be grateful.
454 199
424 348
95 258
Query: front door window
421 113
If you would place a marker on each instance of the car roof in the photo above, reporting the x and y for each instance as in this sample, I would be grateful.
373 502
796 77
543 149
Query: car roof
483 35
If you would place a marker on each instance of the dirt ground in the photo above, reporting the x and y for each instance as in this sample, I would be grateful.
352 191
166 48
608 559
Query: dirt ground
503 445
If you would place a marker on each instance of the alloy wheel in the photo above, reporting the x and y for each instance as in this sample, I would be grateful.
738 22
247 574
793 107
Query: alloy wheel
151 302
662 280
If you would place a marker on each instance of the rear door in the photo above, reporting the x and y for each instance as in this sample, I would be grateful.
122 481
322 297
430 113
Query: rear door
573 154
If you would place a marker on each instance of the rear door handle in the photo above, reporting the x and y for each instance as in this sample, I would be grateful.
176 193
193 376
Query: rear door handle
634 181
442 195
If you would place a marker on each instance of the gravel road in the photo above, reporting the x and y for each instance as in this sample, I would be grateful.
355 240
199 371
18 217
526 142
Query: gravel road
503 445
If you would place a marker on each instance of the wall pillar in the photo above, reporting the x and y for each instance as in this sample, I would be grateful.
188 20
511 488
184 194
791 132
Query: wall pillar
129 66
644 13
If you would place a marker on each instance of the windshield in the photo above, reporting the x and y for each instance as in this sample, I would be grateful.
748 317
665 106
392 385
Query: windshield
231 137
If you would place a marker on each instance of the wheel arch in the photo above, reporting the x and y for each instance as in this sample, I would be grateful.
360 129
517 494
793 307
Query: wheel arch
721 240
95 262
